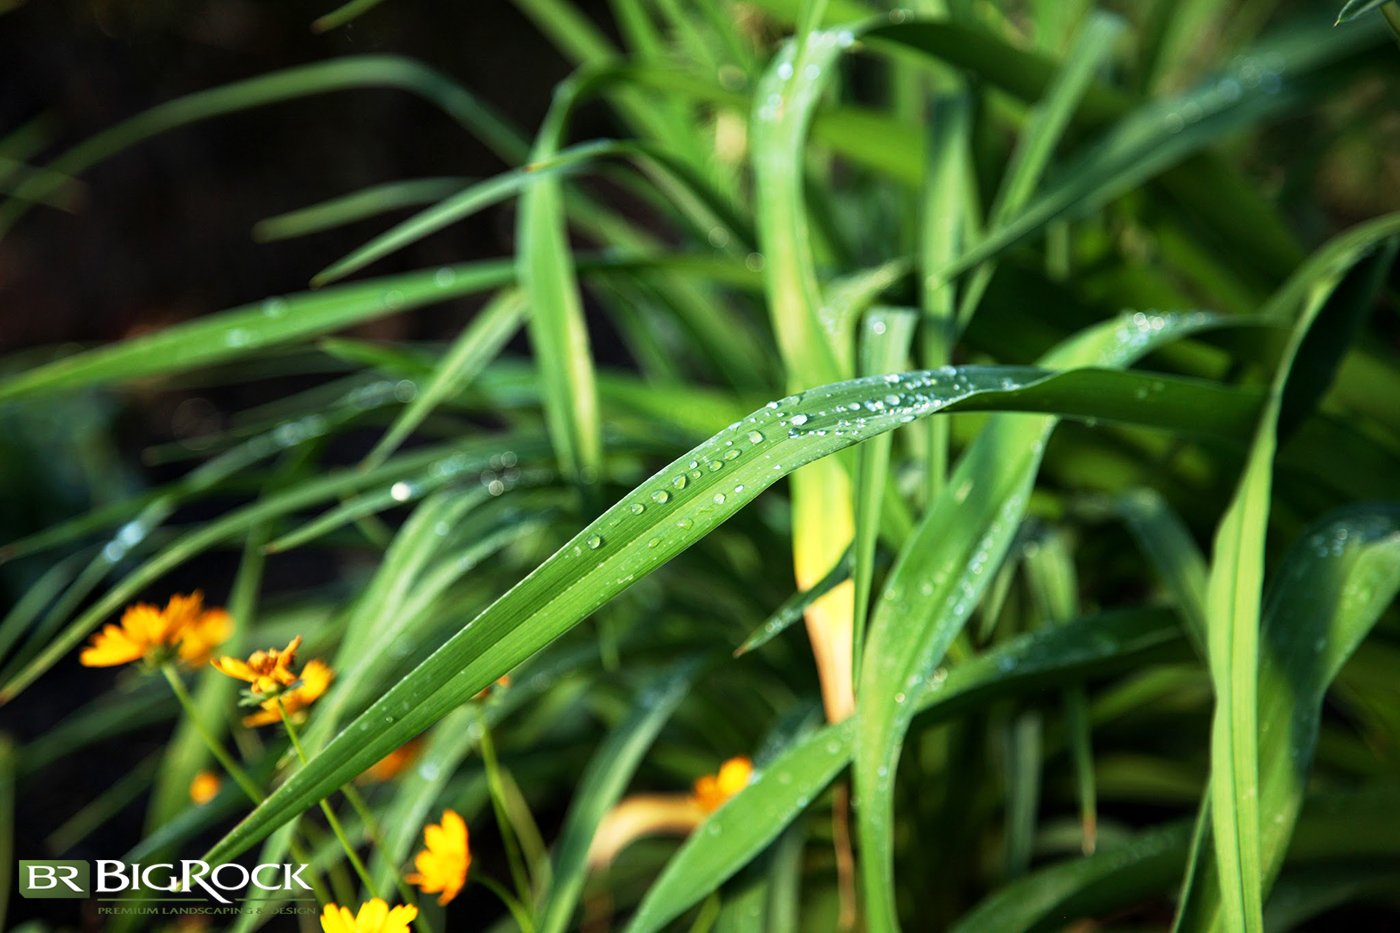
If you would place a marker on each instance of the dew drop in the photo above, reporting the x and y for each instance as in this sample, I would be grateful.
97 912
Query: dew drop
719 498
636 508
661 497
401 491
755 437
679 481
799 420
594 542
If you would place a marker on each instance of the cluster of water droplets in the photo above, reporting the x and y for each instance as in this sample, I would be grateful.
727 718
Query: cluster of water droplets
1140 330
901 398
379 393
788 78
1255 74
127 537
667 490
497 477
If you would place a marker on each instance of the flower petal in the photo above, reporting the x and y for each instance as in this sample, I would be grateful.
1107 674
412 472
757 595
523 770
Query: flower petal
110 647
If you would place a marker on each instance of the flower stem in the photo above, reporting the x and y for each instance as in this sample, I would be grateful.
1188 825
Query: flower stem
235 771
517 909
216 748
326 808
493 783
372 833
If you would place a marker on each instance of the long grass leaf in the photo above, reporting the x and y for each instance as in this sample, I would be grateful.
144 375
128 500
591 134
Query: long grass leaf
1233 595
469 354
557 330
662 517
788 785
936 583
601 785
355 206
428 469
349 72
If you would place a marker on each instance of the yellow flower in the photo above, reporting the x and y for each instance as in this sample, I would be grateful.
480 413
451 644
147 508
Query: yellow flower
315 678
443 865
147 632
268 671
642 815
209 631
392 764
204 786
712 790
374 917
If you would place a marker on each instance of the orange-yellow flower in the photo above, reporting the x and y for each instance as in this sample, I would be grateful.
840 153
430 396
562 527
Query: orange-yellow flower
209 631
204 787
712 790
443 865
375 916
184 628
642 815
315 678
392 764
268 671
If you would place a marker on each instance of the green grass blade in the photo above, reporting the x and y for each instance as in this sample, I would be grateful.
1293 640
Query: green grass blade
1329 592
1234 590
1051 573
1167 542
21 616
795 778
788 96
822 522
946 221
355 206
345 13
888 333
678 506
1044 128
688 190
558 334
658 520
469 354
241 331
794 606
105 806
187 753
601 785
937 581
1355 8
425 468
1123 875
1159 135
346 73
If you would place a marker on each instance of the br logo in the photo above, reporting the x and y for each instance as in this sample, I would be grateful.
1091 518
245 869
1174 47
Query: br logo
54 878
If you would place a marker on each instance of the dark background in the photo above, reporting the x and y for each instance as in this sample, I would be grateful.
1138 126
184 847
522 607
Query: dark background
162 232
